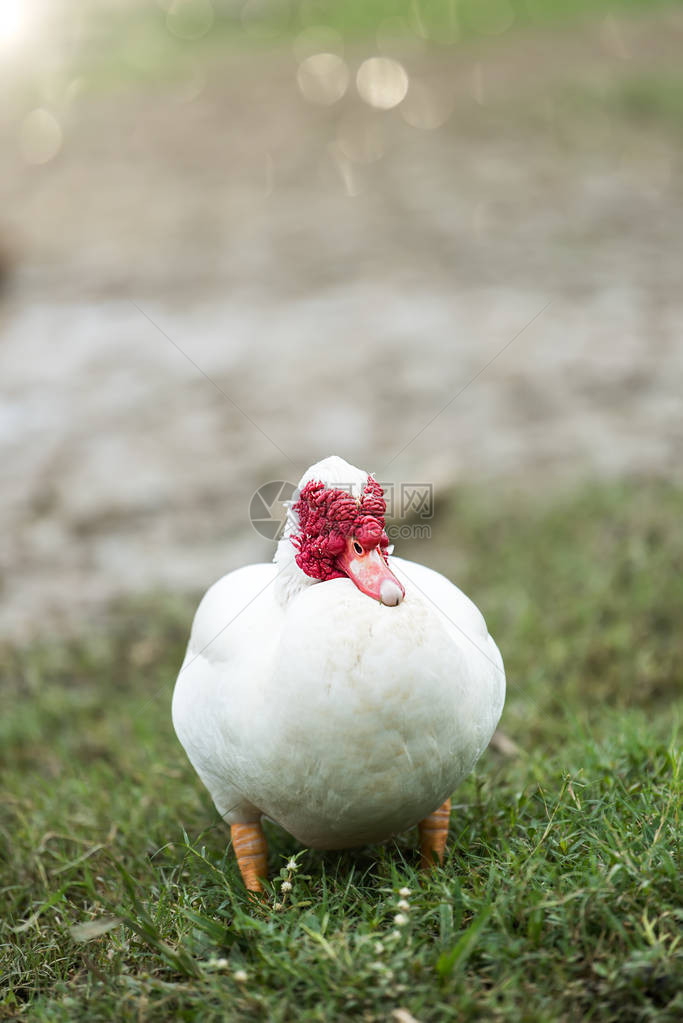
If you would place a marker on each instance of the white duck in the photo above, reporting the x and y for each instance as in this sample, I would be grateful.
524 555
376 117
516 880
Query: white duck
339 692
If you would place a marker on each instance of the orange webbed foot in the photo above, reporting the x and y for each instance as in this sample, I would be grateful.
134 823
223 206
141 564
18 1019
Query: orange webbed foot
433 834
251 850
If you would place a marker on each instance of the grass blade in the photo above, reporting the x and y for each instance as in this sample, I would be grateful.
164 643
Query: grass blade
457 956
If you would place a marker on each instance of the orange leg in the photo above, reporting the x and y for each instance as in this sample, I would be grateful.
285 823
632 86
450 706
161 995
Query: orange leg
433 834
251 851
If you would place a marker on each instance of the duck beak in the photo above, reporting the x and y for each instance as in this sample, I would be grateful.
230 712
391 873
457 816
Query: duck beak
370 573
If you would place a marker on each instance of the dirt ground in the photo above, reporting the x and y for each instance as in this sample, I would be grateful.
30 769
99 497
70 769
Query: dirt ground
215 282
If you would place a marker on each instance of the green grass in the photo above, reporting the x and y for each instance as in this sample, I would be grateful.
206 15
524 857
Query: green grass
444 21
559 899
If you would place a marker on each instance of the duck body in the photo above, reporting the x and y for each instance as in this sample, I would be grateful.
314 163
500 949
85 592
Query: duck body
343 720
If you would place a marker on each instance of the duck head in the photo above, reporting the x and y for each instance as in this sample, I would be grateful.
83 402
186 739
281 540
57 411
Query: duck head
336 528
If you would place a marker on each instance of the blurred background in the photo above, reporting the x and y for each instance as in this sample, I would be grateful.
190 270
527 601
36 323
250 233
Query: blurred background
238 236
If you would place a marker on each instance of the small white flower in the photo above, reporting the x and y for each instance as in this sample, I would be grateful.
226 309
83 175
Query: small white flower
403 904
292 865
240 976
286 886
400 920
278 906
395 934
378 947
216 964
404 892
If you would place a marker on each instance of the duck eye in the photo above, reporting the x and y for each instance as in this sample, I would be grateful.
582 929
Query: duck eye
357 547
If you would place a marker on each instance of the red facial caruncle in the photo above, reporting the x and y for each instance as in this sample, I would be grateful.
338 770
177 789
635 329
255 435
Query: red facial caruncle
340 535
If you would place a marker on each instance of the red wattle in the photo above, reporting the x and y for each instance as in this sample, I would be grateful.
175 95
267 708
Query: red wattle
327 517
